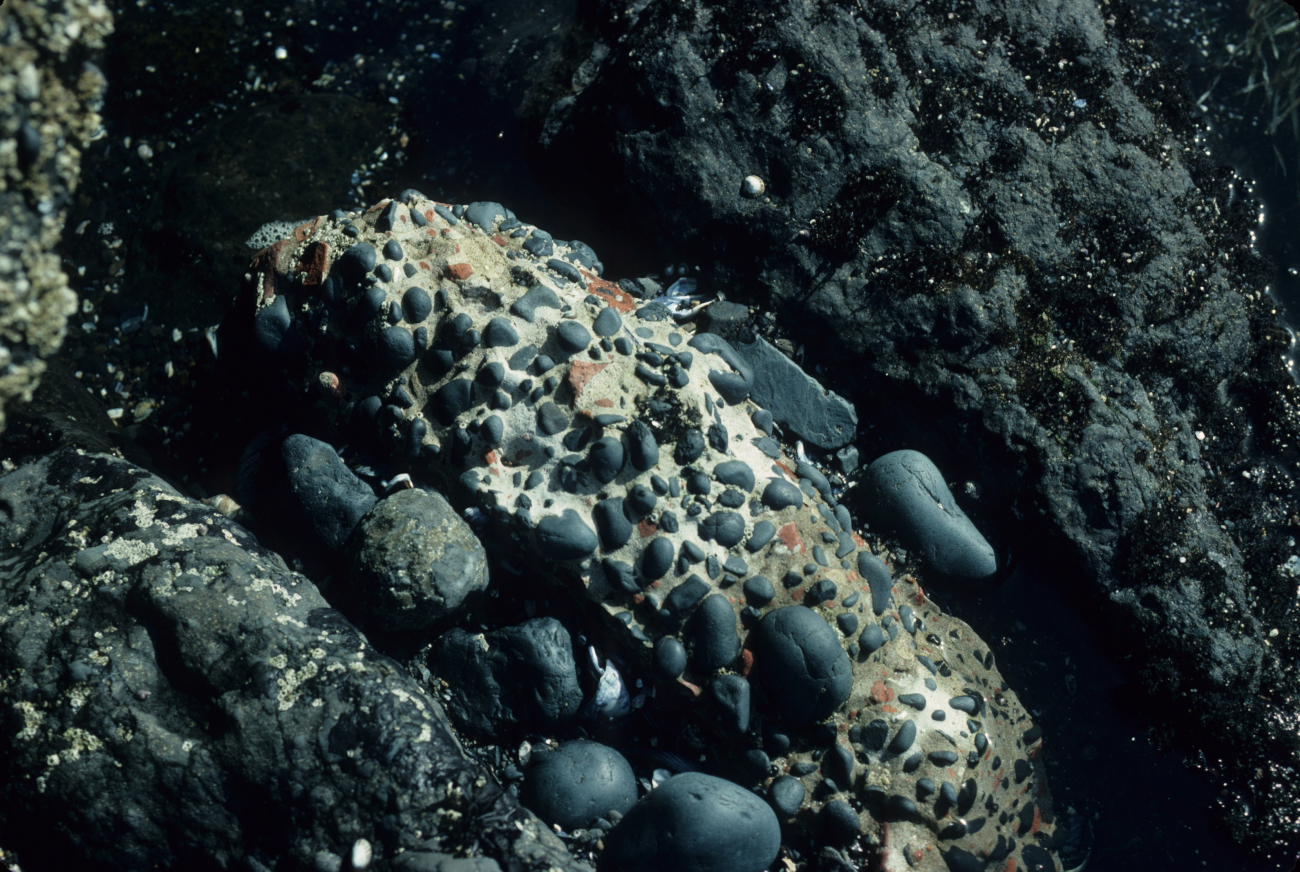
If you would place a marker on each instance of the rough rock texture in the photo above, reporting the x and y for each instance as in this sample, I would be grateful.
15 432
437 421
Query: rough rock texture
1004 215
414 561
49 97
795 399
173 696
618 455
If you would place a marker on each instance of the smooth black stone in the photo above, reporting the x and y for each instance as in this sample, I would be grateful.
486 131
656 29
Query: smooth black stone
907 493
623 345
839 823
578 784
822 592
768 446
804 469
719 439
944 758
535 478
904 738
612 525
959 859
907 617
924 788
803 669
764 531
851 600
619 574
712 642
876 574
491 374
735 473
981 743
698 483
485 213
847 622
756 764
725 528
1023 769
926 662
642 449
938 715
572 336
829 517
762 419
819 554
716 826
730 694
551 419
640 502
492 430
713 567
565 269
273 329
846 545
607 323
912 763
689 447
731 498
692 552
566 536
735 565
649 376
796 400
837 765
780 494
791 580
416 304
759 591
902 806
966 704
734 385
606 458
677 376
685 595
787 795
500 333
915 700
450 400
669 657
357 262
543 363
668 521
539 246
1032 735
537 297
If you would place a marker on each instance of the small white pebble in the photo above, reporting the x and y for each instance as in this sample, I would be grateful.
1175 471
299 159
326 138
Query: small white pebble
1200 435
753 186
116 413
362 854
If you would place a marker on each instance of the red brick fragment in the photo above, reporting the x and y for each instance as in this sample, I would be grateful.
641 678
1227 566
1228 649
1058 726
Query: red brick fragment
618 299
314 263
306 231
499 240
747 661
880 692
460 271
580 373
605 403
646 528
789 536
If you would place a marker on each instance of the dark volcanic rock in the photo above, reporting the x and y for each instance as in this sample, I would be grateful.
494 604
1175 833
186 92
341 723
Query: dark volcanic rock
186 700
414 560
520 677
578 783
697 823
1017 244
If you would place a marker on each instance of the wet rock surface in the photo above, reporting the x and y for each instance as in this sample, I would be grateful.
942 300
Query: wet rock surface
225 714
579 784
1006 215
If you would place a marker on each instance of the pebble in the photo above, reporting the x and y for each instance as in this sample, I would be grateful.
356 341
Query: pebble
669 657
642 448
802 667
606 458
725 528
578 784
787 795
657 558
730 694
796 400
612 525
566 536
759 591
607 323
716 826
780 494
839 823
874 571
905 492
711 634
